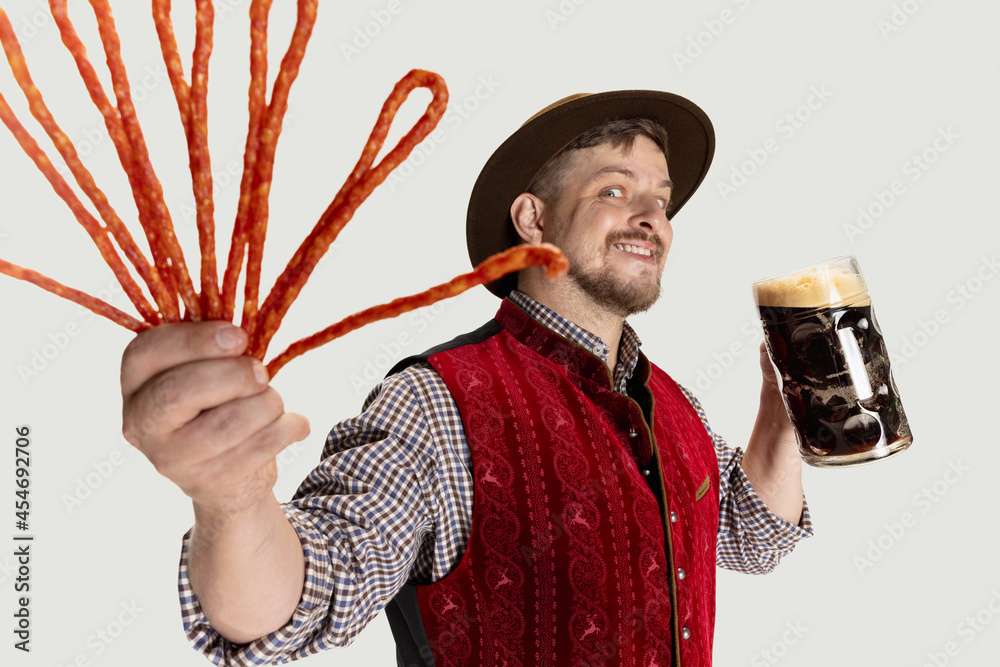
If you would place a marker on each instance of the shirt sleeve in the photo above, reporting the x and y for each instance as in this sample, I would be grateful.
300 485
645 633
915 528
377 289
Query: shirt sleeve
752 539
386 505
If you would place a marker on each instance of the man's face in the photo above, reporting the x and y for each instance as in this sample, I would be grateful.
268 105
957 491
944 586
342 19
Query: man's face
611 223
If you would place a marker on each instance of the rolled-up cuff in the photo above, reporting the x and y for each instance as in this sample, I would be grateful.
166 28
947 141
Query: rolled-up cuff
283 644
751 537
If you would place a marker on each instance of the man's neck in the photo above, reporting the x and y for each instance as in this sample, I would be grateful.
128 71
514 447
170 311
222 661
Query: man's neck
576 307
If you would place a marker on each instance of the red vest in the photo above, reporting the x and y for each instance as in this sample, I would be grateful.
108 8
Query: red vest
593 528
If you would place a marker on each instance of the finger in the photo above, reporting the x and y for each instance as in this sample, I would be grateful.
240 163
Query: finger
176 396
215 431
168 345
767 366
228 473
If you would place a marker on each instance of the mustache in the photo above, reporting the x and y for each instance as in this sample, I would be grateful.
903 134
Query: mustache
625 237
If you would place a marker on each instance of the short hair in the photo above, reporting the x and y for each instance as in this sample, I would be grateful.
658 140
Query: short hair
619 132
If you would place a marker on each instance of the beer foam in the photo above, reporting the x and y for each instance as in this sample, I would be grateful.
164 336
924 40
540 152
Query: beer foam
815 287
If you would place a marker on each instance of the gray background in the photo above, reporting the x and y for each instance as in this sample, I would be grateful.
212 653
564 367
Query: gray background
866 590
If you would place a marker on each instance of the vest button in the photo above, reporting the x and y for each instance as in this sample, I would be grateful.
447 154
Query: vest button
673 517
644 472
632 433
680 573
685 633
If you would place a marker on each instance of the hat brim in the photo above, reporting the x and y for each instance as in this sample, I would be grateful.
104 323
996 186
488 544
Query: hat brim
690 146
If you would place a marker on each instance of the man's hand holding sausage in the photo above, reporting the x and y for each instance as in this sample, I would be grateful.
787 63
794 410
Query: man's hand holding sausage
206 418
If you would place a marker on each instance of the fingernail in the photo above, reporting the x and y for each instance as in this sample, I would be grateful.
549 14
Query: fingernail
260 373
228 338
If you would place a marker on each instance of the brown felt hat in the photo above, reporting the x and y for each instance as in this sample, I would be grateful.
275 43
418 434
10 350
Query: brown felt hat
690 146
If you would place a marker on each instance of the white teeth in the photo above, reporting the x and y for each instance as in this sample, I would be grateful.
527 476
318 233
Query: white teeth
635 250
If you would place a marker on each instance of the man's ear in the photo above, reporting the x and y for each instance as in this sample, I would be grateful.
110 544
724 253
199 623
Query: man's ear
526 213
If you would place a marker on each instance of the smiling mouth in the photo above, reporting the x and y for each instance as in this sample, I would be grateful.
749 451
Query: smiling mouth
635 250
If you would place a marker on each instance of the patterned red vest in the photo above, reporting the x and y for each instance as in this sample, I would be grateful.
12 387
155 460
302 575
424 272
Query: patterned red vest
594 527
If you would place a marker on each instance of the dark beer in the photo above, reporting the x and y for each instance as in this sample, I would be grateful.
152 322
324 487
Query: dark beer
833 367
835 379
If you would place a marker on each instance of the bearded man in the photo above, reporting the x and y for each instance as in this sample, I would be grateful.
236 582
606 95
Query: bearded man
535 492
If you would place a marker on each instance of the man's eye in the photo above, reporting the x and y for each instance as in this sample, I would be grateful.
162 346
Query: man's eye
612 192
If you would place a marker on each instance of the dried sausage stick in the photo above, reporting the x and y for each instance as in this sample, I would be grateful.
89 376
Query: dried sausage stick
264 165
257 97
166 251
359 185
166 302
201 161
258 168
148 215
193 108
93 304
172 60
192 104
86 220
497 266
68 152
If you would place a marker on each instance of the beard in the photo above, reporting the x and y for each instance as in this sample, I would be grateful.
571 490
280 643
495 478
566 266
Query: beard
611 291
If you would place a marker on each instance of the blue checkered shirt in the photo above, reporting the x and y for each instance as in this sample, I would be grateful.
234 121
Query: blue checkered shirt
391 502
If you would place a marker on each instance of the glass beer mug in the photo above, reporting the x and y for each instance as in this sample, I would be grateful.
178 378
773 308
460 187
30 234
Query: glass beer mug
832 364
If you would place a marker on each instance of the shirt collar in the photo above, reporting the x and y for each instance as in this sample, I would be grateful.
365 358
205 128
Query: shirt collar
628 352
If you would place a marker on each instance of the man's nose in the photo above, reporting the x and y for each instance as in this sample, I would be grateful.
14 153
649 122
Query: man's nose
649 213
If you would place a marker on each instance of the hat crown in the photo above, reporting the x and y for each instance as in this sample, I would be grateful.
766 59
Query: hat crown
557 103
